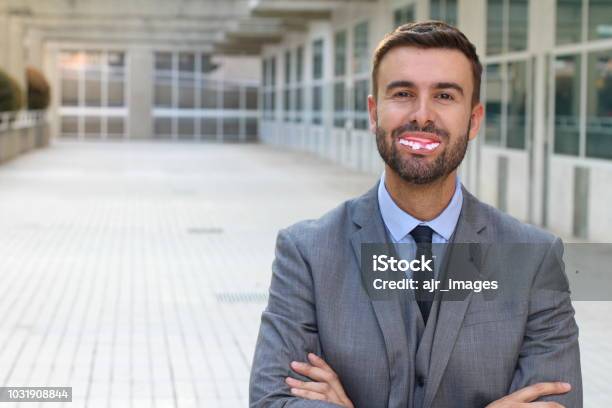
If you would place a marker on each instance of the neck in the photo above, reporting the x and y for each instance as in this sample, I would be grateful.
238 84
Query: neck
423 201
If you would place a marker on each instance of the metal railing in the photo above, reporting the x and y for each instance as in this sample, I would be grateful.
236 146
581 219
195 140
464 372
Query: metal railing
21 119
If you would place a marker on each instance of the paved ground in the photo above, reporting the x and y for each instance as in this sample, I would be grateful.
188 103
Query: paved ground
136 273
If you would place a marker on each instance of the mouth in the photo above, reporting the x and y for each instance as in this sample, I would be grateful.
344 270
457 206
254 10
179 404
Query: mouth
421 143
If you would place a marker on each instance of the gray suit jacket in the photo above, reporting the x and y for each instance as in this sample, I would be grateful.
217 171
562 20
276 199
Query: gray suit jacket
480 351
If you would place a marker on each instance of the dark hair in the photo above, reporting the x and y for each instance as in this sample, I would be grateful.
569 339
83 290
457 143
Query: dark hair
429 34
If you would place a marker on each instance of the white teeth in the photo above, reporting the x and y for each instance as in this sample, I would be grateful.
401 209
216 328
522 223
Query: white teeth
414 145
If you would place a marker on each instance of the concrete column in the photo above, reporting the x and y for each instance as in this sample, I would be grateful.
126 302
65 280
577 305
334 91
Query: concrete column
4 38
15 64
541 38
421 11
471 20
35 53
50 69
140 93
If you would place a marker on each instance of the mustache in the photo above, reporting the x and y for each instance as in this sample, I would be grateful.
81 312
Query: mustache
414 127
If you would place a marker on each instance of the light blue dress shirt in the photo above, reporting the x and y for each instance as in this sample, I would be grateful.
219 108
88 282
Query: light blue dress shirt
399 223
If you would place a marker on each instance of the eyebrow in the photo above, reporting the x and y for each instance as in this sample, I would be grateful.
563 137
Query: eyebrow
438 85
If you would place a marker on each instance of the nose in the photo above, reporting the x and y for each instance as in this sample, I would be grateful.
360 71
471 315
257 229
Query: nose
422 113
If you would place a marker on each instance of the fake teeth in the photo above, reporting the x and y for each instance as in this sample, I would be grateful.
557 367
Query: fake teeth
414 145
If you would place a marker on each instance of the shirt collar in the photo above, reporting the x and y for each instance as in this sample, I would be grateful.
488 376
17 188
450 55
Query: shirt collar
400 223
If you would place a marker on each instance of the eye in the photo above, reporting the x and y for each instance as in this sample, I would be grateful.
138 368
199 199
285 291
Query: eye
402 94
446 97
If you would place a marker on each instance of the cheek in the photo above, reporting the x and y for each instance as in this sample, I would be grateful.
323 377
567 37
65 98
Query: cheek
392 116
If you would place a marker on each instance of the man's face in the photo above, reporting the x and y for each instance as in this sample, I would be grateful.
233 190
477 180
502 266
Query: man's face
423 116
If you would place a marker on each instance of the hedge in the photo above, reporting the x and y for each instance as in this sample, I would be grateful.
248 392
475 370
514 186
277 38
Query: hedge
11 95
39 92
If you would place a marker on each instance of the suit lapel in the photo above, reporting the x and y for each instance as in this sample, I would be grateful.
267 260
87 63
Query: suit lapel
366 216
470 229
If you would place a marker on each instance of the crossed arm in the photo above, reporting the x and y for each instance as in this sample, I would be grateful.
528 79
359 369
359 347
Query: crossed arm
288 372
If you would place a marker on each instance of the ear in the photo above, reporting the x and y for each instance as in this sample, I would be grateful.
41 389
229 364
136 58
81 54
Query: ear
372 113
476 120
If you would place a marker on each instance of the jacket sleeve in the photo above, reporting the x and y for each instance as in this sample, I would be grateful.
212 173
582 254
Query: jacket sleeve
288 330
550 349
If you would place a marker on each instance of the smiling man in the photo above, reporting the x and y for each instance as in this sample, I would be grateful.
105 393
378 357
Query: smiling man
324 342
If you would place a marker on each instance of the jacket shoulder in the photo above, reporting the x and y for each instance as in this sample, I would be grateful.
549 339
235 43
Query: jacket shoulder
330 225
510 229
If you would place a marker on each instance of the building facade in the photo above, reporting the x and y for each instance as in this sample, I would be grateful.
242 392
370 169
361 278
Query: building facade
296 73
136 70
544 153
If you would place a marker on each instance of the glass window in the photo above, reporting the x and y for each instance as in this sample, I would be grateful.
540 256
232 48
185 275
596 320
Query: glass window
287 90
115 127
93 79
403 15
493 117
299 64
287 104
186 81
251 98
287 68
163 61
163 95
299 104
231 96
599 105
340 53
444 10
600 19
360 48
250 128
163 80
116 92
339 104
517 25
435 12
116 60
186 62
116 79
317 104
569 21
264 72
272 72
361 104
495 26
317 59
206 64
209 94
186 128
567 104
70 88
517 104
231 127
93 88
70 126
162 128
208 128
93 126
507 22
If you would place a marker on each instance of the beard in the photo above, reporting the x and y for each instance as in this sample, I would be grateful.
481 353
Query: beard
416 169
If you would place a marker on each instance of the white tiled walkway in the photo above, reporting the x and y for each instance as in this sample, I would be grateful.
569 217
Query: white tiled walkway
136 272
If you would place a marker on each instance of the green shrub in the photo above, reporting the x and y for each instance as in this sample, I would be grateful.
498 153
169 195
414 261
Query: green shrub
11 95
39 93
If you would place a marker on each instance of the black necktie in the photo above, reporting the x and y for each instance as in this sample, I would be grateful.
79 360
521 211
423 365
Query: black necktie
422 235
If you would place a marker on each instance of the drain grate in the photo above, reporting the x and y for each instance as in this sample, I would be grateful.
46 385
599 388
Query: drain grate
204 230
242 297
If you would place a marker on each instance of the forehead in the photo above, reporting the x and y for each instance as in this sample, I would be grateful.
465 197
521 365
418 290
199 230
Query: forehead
425 66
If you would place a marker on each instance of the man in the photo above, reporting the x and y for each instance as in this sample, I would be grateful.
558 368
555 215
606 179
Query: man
324 342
